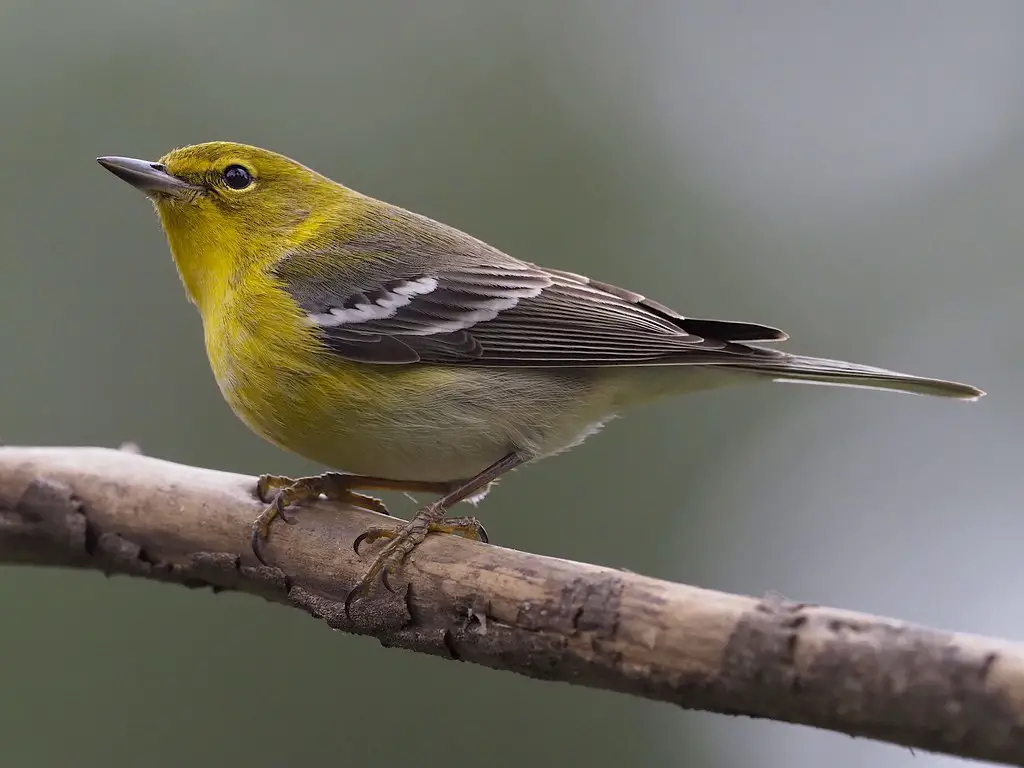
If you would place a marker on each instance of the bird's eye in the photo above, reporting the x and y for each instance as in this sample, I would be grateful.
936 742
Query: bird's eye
237 177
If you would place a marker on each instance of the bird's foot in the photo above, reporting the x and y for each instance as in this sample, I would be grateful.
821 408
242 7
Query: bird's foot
279 493
403 540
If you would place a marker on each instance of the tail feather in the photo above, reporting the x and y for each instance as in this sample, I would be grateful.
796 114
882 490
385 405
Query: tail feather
797 369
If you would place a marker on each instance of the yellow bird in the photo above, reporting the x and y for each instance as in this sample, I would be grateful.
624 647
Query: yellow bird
382 343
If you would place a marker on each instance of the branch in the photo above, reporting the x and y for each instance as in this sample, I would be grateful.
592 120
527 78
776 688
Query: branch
539 616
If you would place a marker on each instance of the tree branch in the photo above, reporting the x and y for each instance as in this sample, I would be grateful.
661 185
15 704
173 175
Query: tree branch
542 617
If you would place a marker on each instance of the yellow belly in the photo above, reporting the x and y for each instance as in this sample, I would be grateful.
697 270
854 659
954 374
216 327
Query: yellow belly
410 422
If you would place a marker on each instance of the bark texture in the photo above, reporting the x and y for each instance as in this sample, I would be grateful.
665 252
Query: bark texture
547 618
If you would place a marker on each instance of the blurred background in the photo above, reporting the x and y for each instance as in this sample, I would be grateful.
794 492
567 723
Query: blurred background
850 172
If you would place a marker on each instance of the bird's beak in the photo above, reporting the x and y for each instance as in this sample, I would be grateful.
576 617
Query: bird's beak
149 178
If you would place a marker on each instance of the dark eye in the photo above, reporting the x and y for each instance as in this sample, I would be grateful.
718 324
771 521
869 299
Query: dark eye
236 177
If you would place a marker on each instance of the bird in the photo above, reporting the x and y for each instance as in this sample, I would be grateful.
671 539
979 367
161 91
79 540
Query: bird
404 354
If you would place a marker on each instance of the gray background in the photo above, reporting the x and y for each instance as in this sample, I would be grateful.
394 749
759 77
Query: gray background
851 172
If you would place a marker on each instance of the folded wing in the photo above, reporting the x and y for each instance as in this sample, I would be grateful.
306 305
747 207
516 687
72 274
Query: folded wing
508 313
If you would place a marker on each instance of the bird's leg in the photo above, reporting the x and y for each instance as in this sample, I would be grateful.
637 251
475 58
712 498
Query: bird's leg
279 492
428 520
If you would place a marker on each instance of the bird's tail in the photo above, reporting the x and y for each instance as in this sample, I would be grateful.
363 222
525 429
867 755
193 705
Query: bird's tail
798 369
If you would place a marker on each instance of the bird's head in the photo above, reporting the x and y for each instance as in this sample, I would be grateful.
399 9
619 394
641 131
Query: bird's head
225 206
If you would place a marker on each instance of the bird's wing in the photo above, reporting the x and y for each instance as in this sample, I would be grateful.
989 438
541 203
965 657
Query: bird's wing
498 312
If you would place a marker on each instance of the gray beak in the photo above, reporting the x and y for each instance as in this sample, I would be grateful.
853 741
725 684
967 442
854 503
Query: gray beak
147 177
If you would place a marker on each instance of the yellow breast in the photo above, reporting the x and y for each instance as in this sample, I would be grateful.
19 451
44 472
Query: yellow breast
402 422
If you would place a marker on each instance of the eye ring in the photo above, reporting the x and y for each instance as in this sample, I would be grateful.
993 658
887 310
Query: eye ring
237 177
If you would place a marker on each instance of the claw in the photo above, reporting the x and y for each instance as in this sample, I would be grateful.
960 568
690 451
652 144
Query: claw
382 567
261 489
359 540
371 535
466 527
261 529
385 579
361 589
348 604
256 538
279 506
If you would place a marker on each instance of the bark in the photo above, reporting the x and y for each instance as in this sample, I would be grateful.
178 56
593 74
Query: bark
539 616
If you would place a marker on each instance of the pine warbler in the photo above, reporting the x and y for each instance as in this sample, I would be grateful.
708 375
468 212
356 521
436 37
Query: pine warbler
413 356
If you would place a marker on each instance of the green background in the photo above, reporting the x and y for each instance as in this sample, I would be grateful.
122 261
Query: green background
848 172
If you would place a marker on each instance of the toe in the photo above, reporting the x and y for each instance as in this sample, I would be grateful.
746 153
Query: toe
466 527
371 535
268 486
282 511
